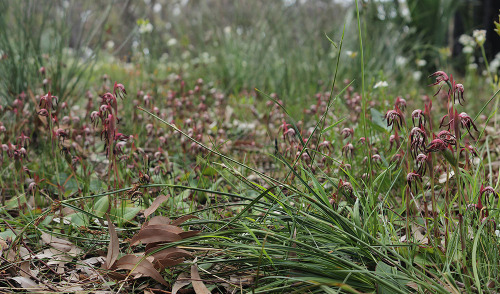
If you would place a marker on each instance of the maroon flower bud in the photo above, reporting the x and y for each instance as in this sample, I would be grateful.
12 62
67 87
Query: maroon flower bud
467 123
347 132
413 177
418 139
394 117
421 163
119 90
345 187
458 92
441 76
348 150
400 103
43 112
418 114
436 145
447 137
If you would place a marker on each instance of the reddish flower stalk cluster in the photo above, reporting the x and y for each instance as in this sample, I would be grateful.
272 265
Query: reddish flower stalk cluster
446 139
108 116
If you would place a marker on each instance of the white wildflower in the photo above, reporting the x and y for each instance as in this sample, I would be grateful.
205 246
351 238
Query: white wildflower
135 45
466 40
351 54
494 65
145 27
472 66
468 50
110 45
479 36
176 11
185 55
417 75
421 62
380 84
401 61
157 7
172 42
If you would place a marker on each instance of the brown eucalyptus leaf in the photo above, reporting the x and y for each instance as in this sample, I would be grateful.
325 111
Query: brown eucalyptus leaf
114 245
57 243
182 281
169 253
168 257
152 235
154 206
182 219
25 270
139 265
198 285
169 228
167 262
158 220
188 234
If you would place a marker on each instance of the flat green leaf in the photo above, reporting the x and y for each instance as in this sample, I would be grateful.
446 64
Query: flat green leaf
130 213
378 120
101 206
79 219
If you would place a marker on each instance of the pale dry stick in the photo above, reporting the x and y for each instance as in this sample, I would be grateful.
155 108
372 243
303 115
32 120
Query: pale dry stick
224 280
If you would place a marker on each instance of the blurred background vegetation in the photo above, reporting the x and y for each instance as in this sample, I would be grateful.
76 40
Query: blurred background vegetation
275 46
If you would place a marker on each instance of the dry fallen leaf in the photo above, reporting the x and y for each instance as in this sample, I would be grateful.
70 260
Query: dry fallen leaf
57 243
140 265
28 284
168 257
25 270
3 245
114 246
154 206
158 220
182 219
198 285
188 234
153 235
182 281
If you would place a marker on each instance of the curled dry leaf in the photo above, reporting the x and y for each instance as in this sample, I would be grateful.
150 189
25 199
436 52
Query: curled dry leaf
161 230
167 257
154 206
140 265
114 246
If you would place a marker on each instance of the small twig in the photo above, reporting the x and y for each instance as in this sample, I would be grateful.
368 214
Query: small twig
29 274
31 252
